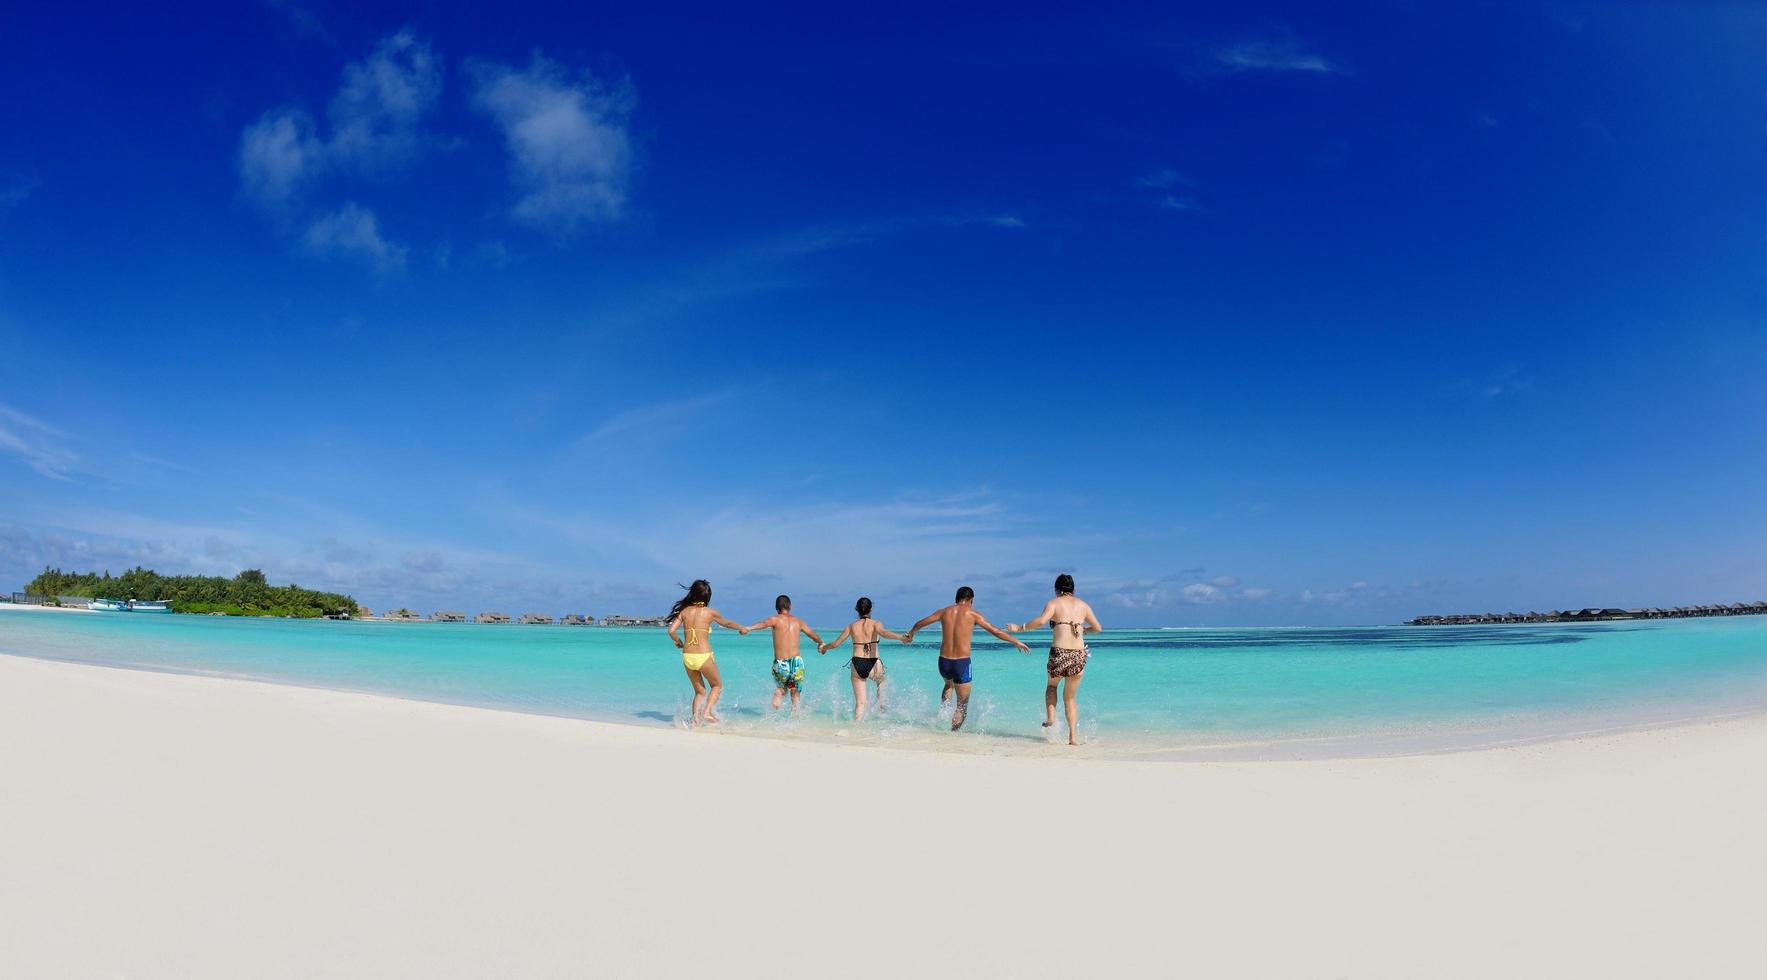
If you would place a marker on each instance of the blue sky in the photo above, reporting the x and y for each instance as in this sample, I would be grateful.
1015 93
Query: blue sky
1245 315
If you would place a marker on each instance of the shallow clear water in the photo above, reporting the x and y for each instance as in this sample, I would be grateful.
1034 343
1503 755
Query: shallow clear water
1147 693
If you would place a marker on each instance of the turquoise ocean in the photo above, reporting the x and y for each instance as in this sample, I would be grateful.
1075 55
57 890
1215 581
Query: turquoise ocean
1158 694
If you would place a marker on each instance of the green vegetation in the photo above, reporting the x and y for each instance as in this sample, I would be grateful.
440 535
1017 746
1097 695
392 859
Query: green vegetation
245 594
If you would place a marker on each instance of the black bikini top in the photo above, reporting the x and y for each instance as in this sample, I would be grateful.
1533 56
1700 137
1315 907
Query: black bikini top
859 647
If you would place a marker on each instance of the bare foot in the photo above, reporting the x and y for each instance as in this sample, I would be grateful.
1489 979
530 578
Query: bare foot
1049 724
711 719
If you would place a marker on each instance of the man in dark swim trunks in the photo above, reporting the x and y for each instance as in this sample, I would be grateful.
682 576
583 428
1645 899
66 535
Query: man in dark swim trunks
957 624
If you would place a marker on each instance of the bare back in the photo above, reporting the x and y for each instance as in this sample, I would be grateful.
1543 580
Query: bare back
957 625
1069 620
865 634
697 621
786 630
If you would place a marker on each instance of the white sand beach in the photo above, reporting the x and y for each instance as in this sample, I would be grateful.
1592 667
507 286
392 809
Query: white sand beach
157 825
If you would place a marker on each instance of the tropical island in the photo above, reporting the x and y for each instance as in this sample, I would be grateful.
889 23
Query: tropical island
245 594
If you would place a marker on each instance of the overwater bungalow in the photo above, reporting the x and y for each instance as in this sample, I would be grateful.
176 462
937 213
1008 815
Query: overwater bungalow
535 619
1590 614
495 618
447 616
633 621
576 619
404 615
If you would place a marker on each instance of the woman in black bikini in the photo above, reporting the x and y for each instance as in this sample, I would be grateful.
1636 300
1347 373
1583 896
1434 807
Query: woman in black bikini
1069 618
865 662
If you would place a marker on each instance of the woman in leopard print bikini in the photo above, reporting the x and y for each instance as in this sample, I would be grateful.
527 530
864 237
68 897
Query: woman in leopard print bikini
1069 618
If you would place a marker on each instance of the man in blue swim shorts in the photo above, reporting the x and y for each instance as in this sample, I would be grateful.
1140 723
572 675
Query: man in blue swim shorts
957 624
788 667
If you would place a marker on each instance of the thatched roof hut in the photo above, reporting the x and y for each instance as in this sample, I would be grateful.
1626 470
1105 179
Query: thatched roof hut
492 617
535 619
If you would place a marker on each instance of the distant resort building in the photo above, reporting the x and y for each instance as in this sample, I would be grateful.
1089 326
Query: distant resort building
633 621
363 612
404 615
447 616
1593 615
535 619
492 617
577 619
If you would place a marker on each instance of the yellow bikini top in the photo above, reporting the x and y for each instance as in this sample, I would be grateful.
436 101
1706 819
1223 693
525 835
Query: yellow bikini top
705 634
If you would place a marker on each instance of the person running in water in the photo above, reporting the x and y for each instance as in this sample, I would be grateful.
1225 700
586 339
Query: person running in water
692 614
1069 618
788 666
957 624
866 664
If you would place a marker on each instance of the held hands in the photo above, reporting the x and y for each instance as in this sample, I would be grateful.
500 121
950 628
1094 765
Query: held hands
742 631
822 648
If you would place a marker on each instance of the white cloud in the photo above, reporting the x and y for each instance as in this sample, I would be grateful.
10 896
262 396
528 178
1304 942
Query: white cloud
570 155
1007 221
1279 55
1178 202
279 157
36 442
14 194
376 122
1334 597
1255 594
378 111
1224 581
651 420
353 231
1163 179
1201 592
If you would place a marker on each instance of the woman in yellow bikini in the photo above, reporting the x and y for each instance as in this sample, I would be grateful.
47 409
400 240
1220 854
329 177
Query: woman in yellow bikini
692 614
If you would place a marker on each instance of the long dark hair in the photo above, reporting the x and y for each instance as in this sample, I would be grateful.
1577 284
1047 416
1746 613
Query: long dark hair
863 607
698 594
1064 584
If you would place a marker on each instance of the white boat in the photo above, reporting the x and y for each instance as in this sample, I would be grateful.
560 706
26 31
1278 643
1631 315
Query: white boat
149 607
109 605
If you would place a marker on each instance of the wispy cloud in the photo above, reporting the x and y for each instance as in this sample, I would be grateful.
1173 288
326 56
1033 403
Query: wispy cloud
1280 55
14 193
353 231
378 112
376 127
1166 190
662 418
1162 179
570 154
1503 382
1185 588
280 157
1334 597
39 444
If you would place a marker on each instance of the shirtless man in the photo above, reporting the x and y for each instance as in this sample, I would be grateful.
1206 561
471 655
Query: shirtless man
957 623
788 667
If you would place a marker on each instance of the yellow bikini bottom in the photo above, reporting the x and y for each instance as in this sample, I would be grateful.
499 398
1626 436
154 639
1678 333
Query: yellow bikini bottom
694 661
